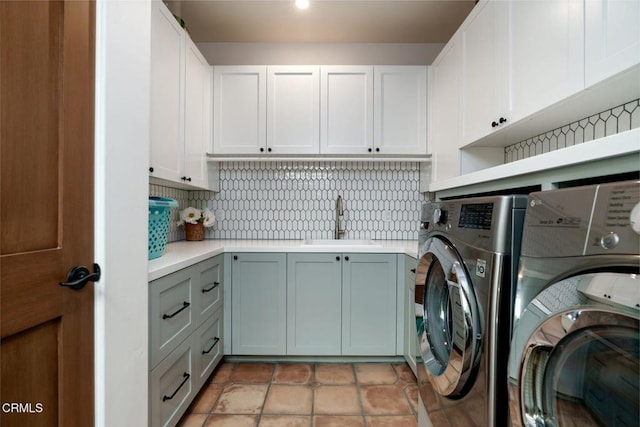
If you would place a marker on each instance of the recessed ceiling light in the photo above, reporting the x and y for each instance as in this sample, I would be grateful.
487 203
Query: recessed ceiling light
302 4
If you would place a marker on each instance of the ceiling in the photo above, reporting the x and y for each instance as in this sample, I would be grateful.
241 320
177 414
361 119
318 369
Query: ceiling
325 21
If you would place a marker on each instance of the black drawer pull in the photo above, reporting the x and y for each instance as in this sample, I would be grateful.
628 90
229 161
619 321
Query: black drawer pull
215 341
186 376
413 270
169 316
215 285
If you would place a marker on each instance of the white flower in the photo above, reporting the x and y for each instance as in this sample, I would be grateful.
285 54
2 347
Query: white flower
209 217
190 215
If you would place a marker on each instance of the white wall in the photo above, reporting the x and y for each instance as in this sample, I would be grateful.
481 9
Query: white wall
122 151
320 53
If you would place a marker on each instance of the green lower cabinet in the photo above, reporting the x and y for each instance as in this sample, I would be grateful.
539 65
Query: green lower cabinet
410 330
369 304
259 304
314 302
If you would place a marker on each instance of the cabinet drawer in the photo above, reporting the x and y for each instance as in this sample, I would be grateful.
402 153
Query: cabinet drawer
171 313
209 290
209 347
173 386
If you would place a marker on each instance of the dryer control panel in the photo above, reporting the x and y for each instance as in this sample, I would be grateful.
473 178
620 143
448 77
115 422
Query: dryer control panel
613 225
589 220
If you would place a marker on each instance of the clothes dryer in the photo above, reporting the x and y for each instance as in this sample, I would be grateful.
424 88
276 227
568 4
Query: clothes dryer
575 351
467 259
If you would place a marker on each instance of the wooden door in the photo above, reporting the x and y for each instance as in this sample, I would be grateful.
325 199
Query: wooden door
46 211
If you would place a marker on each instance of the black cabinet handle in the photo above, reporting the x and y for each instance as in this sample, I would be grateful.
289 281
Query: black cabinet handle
186 376
151 169
174 314
494 124
261 149
269 149
377 149
184 178
346 258
235 257
369 150
502 120
215 285
337 258
215 341
189 179
79 276
413 270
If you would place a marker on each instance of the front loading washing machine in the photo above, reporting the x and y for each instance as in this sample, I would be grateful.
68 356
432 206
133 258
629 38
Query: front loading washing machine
468 252
576 341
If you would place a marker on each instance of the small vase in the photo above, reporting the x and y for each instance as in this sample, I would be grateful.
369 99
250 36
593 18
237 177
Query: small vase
194 232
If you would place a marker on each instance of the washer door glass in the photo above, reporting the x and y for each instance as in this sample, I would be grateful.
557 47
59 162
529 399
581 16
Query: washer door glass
450 336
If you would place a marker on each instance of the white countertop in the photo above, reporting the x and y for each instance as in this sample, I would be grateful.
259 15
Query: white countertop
182 254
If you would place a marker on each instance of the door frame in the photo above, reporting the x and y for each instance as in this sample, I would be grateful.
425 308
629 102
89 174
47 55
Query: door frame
122 136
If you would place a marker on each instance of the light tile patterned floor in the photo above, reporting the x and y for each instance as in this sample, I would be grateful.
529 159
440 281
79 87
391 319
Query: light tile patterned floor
306 395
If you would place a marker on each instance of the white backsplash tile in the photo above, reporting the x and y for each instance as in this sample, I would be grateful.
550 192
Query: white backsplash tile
296 200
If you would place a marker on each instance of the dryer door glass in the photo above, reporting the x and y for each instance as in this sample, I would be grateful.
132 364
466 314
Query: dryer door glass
579 357
591 378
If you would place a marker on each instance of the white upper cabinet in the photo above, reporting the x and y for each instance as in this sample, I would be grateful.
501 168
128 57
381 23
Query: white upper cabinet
483 75
346 110
400 110
519 57
167 50
239 109
310 110
293 103
612 45
546 54
180 104
445 111
197 117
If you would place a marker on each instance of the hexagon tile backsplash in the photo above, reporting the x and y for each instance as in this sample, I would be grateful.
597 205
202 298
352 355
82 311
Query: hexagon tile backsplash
296 200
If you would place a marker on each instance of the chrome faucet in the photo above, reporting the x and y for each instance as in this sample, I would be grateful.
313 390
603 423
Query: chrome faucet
339 213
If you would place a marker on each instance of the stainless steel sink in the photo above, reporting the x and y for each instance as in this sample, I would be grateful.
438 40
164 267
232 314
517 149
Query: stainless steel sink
339 242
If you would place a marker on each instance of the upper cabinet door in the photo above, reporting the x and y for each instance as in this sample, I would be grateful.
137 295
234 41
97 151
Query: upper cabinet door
445 111
346 110
519 57
167 50
400 110
546 54
293 116
612 43
483 77
239 109
196 118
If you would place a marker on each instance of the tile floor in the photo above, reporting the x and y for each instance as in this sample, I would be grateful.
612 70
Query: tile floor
306 394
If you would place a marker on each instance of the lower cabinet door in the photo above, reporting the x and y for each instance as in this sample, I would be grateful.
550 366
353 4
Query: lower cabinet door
209 291
259 303
173 386
369 304
209 347
314 292
171 315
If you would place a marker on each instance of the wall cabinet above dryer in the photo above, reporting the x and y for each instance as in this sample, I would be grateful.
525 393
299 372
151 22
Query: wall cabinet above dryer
517 61
317 111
